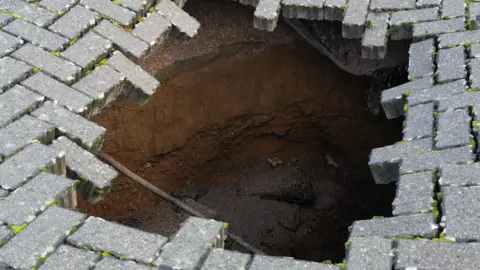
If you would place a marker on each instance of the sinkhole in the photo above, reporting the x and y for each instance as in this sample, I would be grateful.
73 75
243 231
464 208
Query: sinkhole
264 133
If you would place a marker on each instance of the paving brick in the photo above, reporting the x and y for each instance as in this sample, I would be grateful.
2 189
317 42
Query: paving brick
29 12
22 132
103 84
474 76
144 85
118 240
28 163
75 22
59 93
374 42
35 241
178 17
460 175
219 259
8 43
5 19
126 42
36 35
437 92
309 10
417 225
435 159
369 253
261 262
421 59
3 193
333 10
453 129
402 20
11 72
414 194
266 15
458 38
5 235
419 122
429 29
52 65
17 102
451 64
57 5
475 50
109 263
353 24
386 5
428 3
93 173
459 101
154 29
88 50
22 205
392 99
461 213
423 254
69 258
112 11
384 161
453 8
138 6
473 13
190 243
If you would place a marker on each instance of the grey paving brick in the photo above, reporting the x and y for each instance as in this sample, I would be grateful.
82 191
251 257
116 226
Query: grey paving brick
414 193
36 35
473 13
402 21
178 17
386 5
52 65
11 72
190 243
461 213
451 64
420 63
22 132
435 159
88 50
384 161
374 42
333 10
28 163
154 29
428 3
459 101
40 237
138 6
17 102
75 22
5 235
437 92
419 122
474 76
261 262
453 129
93 173
353 24
59 93
266 15
29 12
5 19
309 10
69 258
3 193
22 205
8 43
103 84
460 175
144 85
369 253
417 225
109 263
458 38
453 8
475 50
118 240
429 29
392 99
126 42
57 5
219 259
112 11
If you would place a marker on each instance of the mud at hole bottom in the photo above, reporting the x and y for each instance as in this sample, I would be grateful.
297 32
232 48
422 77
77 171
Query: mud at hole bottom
275 142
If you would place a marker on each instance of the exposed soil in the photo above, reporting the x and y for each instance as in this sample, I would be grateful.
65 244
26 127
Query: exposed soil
271 138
